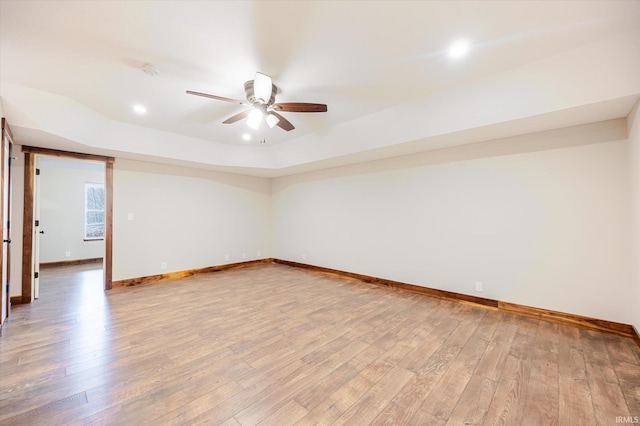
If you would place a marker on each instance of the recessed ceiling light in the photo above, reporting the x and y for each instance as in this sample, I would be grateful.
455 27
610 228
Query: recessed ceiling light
246 136
139 109
459 48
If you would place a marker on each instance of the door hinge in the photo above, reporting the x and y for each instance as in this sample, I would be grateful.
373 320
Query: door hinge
37 172
37 223
35 275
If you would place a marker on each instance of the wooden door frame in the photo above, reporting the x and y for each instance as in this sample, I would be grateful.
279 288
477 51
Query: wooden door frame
30 153
6 133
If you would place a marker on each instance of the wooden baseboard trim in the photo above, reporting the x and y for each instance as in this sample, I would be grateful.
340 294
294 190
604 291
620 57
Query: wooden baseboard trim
564 318
70 262
636 338
440 294
187 273
620 329
16 300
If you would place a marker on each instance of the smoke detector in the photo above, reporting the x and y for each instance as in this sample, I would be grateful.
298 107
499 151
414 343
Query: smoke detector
150 69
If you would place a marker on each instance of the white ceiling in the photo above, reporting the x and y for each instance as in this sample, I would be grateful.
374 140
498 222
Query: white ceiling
70 73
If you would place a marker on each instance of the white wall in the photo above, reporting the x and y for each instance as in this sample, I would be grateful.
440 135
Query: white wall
634 155
17 203
62 186
544 227
187 218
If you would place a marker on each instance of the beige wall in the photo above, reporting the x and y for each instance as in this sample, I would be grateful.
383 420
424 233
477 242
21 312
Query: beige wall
62 186
543 227
187 218
634 142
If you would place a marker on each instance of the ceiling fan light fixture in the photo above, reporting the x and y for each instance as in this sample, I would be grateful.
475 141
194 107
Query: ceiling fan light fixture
271 120
255 118
261 95
262 87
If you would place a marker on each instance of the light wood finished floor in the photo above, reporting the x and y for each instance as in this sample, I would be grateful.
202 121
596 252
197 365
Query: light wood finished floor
279 346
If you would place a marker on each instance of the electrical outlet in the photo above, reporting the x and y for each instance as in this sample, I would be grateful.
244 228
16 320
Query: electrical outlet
163 265
130 216
304 256
67 254
226 256
479 287
244 255
259 253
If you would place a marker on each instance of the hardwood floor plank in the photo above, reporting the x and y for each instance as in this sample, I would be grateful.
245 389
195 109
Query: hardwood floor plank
510 396
230 422
608 399
336 404
436 334
597 356
288 414
542 406
488 325
575 402
492 362
115 394
411 397
547 337
43 414
369 405
621 350
439 403
200 407
473 405
522 345
629 376
271 402
570 354
312 395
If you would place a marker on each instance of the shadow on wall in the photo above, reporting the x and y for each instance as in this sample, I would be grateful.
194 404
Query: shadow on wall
604 131
258 185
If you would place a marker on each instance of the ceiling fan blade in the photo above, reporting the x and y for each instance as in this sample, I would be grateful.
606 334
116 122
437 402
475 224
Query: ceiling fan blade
299 107
283 123
220 98
237 117
262 86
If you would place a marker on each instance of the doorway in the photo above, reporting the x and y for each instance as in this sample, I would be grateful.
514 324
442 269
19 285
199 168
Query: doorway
69 222
32 229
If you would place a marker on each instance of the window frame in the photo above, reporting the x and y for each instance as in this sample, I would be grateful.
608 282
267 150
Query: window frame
88 185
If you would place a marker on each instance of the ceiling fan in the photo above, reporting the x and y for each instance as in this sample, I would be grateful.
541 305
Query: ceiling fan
261 96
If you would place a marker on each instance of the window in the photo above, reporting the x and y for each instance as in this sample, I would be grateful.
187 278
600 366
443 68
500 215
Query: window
94 201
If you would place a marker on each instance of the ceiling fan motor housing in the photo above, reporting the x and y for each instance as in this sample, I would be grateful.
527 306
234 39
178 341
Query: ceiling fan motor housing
248 89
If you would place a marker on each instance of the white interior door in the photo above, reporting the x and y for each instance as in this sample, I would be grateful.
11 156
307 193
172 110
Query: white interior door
36 231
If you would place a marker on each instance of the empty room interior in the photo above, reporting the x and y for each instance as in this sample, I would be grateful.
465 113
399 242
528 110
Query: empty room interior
320 212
